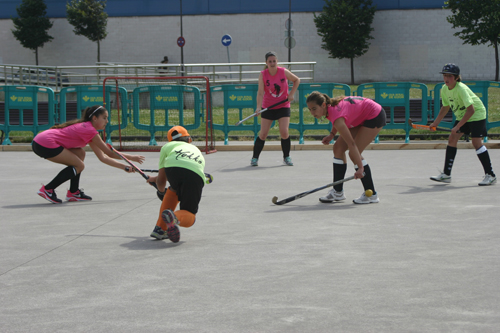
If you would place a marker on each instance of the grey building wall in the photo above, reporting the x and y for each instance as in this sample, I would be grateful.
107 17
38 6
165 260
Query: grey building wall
409 45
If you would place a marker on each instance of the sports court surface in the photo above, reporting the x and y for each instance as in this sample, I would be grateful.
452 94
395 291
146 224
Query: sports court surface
425 259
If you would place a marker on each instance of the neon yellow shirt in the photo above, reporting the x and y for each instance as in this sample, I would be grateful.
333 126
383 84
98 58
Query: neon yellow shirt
183 155
461 97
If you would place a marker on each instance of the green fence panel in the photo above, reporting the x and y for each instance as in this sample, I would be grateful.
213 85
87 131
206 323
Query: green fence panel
239 97
395 97
156 102
86 96
305 89
26 108
480 88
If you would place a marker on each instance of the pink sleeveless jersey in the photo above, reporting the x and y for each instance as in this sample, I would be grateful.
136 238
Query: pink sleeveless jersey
275 88
355 110
74 136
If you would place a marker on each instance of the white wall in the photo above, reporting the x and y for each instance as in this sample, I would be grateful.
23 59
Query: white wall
409 45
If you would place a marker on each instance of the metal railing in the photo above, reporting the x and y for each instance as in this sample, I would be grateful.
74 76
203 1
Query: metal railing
58 77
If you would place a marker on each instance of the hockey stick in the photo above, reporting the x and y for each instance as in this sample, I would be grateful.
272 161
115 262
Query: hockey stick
303 194
257 113
132 165
149 170
209 178
425 127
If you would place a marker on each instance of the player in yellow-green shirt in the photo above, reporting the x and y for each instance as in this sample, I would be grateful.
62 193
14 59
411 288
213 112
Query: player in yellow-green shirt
470 115
182 165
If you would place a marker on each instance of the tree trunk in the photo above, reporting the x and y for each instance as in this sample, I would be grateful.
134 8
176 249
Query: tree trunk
98 51
352 70
36 55
495 45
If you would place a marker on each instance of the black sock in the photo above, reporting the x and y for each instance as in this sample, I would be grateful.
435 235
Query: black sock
484 157
65 174
75 183
449 158
285 147
367 180
339 170
257 147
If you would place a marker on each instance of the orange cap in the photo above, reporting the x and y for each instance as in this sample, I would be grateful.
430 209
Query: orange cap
177 132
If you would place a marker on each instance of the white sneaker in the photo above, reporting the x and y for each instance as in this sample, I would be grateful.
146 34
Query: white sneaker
287 161
363 199
443 178
333 196
488 180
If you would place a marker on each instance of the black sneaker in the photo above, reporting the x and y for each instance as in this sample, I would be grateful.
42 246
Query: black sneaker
77 196
49 195
159 233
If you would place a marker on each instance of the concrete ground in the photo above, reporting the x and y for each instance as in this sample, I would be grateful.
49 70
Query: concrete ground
424 259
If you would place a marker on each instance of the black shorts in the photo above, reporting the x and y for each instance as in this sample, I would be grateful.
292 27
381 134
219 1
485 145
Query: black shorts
188 185
475 129
44 152
378 121
275 114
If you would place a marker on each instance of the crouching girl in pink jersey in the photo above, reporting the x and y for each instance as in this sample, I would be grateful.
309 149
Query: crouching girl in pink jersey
357 120
64 144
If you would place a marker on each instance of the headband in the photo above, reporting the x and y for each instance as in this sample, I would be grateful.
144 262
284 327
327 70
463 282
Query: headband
271 54
90 116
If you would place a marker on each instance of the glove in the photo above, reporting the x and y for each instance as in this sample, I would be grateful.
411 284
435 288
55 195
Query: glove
160 195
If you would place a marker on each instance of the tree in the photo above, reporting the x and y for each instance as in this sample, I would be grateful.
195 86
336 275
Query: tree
89 19
32 25
480 21
345 27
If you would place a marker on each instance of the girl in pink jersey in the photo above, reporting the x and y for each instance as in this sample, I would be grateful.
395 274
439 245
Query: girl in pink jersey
273 88
358 120
64 144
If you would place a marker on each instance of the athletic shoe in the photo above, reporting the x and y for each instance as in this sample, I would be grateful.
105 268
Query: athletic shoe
77 196
287 161
488 180
171 220
363 199
254 162
443 178
49 195
333 196
159 233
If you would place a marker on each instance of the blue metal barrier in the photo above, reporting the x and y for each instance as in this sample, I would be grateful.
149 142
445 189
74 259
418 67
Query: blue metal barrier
26 108
305 89
243 96
93 95
396 97
165 98
480 88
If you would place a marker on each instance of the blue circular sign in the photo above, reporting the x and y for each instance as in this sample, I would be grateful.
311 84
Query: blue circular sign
226 40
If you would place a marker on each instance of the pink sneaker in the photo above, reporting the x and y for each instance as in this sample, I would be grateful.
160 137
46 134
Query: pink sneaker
49 195
77 196
171 220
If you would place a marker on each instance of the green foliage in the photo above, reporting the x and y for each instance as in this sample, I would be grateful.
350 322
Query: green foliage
345 27
480 21
32 25
88 19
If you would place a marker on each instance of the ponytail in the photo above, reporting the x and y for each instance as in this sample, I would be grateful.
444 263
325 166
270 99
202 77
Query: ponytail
320 98
87 115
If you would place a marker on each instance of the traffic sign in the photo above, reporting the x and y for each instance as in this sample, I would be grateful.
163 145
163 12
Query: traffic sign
226 40
181 41
290 42
288 24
